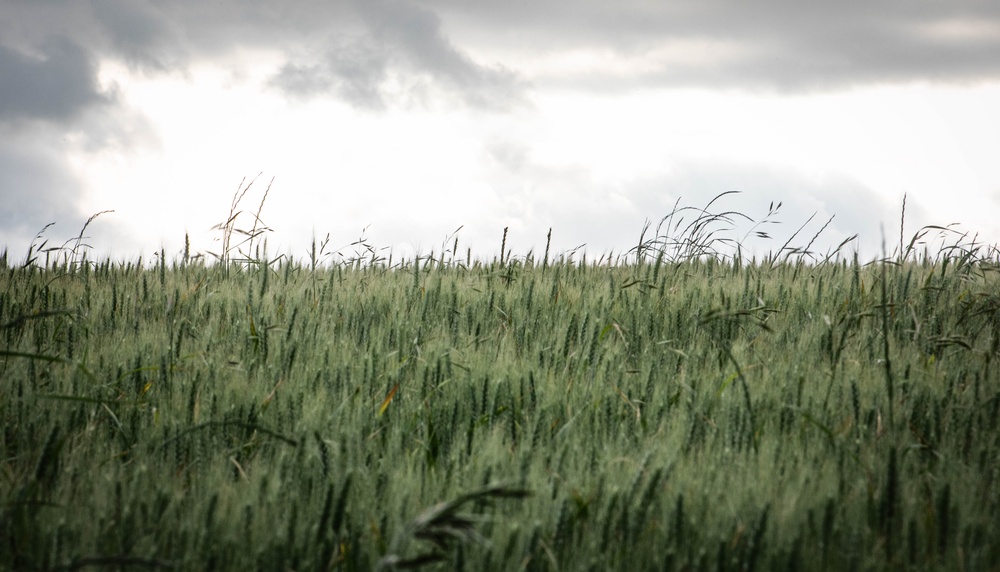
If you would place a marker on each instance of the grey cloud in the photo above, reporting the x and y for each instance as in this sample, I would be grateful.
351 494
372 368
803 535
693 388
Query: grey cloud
34 188
347 48
830 50
354 69
141 33
416 35
56 84
403 41
163 36
37 187
50 102
771 44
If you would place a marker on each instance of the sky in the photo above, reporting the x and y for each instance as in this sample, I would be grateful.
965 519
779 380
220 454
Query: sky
410 123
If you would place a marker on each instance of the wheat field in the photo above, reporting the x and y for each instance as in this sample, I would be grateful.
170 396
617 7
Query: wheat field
668 409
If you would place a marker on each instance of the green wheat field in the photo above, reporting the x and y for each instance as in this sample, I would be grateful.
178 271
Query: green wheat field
674 408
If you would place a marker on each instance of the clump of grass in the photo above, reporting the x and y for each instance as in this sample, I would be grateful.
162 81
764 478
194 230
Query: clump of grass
243 248
73 251
443 525
691 233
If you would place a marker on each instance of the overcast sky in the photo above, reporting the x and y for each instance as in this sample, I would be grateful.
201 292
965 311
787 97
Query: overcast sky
412 118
